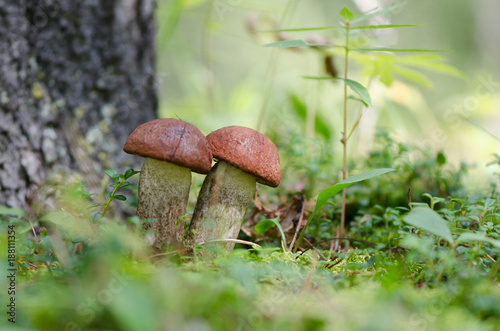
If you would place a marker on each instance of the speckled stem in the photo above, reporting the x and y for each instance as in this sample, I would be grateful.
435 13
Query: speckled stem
163 194
224 197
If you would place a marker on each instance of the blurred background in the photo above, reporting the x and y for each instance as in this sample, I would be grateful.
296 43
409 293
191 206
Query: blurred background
213 71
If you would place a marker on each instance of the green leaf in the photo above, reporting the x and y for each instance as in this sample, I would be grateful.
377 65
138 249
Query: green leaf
385 26
473 237
107 195
359 90
295 43
334 189
112 174
43 232
95 215
440 158
130 172
12 211
124 184
357 99
429 221
322 78
396 50
412 75
120 197
265 225
346 14
95 204
432 62
377 13
306 29
287 43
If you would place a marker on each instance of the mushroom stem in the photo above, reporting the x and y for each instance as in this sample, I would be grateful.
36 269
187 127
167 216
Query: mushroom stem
224 197
163 195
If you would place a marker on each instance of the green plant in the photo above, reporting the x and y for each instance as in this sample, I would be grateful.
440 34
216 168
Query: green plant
120 181
384 68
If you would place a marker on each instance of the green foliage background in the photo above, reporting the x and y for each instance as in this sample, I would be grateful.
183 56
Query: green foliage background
431 263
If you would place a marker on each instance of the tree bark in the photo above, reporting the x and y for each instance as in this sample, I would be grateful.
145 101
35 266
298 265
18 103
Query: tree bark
76 77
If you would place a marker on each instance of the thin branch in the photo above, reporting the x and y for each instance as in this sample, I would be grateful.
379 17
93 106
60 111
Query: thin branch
348 239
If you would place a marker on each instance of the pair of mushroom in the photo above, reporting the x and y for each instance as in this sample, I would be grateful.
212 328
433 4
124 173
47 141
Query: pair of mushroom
172 149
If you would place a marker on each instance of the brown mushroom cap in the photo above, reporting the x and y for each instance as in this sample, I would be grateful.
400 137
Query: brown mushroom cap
248 150
171 140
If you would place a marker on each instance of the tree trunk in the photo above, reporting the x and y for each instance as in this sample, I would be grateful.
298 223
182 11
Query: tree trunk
76 77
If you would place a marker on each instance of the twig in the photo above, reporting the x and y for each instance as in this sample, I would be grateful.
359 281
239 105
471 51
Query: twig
490 258
298 225
327 240
237 241
316 250
34 232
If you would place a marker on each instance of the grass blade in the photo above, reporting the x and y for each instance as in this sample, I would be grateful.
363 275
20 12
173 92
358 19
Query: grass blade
265 225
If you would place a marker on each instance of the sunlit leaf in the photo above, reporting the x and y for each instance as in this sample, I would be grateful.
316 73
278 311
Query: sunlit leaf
429 221
346 14
431 62
412 75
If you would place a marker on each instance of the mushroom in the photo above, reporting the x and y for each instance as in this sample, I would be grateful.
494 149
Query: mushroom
172 149
244 157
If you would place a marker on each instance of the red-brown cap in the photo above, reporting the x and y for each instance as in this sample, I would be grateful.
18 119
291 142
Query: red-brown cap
171 140
248 150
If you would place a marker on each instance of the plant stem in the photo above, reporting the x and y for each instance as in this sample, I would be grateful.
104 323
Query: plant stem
344 135
111 197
